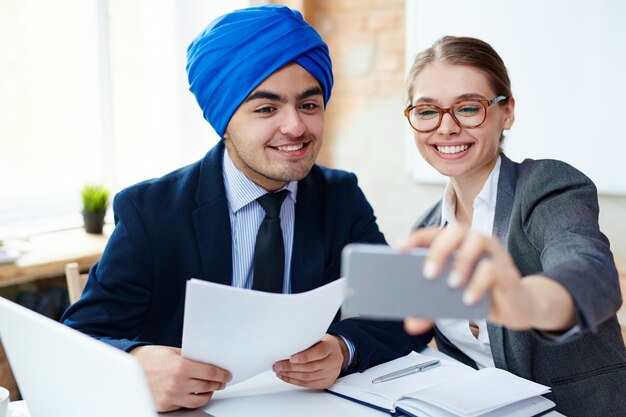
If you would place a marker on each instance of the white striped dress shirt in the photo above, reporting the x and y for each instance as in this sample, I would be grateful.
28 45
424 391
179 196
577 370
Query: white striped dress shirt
246 215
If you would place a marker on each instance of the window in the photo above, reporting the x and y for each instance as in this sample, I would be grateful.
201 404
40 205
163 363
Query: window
93 91
51 101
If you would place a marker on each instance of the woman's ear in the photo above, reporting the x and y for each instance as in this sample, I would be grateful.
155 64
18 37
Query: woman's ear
509 113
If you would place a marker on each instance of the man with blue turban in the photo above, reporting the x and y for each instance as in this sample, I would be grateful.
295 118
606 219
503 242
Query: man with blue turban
262 77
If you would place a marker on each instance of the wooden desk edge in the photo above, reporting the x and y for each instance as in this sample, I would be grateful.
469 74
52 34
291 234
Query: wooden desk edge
46 270
46 261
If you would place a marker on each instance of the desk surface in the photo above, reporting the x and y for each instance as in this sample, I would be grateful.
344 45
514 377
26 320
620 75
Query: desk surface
266 395
276 398
46 255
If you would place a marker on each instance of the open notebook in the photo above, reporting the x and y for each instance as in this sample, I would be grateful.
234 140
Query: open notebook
451 389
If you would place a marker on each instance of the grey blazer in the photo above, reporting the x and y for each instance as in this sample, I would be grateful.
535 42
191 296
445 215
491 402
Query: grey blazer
547 218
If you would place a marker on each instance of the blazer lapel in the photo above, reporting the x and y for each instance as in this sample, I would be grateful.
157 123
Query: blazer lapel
501 222
505 199
211 220
307 255
496 341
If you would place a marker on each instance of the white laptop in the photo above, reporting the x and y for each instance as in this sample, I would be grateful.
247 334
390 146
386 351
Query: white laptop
64 373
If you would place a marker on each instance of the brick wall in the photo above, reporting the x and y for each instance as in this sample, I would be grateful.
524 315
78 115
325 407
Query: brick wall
365 128
366 41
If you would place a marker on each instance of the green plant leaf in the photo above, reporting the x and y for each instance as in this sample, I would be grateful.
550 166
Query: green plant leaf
95 198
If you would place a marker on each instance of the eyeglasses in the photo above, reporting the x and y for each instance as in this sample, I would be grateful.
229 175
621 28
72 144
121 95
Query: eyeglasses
466 113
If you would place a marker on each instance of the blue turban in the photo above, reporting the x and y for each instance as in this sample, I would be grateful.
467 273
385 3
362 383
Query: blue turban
237 51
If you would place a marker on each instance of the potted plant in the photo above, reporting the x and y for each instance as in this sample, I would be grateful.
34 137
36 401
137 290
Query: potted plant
95 203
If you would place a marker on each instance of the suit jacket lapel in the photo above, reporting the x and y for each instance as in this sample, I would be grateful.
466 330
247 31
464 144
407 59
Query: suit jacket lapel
211 220
504 206
505 199
307 255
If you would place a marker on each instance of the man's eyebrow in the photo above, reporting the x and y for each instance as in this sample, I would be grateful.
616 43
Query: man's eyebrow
267 95
314 91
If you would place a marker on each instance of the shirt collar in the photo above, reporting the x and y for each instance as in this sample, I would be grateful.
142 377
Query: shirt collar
487 195
241 191
448 205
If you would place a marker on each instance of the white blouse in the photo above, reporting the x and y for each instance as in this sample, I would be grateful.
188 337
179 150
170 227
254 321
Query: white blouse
457 330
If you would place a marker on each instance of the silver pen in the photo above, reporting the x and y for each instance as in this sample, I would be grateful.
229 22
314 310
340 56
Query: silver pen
407 371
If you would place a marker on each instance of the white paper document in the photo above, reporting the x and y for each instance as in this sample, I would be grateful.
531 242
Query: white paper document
246 331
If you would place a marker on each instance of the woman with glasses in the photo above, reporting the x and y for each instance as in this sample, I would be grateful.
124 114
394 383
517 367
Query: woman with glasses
526 233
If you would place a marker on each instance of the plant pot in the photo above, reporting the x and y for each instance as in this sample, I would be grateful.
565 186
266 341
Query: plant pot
94 222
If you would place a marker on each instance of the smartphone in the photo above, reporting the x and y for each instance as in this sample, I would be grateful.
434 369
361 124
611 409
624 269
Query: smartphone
385 284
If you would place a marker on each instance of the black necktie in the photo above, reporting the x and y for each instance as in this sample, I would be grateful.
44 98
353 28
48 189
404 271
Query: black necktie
269 251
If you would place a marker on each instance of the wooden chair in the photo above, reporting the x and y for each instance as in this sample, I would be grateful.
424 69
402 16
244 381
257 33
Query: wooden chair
75 281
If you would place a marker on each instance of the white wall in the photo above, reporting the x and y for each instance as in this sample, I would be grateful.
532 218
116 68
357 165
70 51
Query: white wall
566 60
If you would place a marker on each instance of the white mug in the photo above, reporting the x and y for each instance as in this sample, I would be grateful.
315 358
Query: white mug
4 402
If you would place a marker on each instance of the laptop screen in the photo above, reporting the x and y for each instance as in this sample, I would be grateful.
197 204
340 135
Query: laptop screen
64 373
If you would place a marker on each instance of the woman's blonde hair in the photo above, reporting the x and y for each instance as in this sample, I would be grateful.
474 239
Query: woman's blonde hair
463 51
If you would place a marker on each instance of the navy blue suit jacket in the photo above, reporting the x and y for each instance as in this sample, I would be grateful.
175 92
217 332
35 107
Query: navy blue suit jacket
177 227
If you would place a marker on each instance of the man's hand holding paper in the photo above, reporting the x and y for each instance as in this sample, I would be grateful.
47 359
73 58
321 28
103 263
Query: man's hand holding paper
178 382
317 367
248 332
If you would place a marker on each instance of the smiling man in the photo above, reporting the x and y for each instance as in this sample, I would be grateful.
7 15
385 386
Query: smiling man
262 77
276 134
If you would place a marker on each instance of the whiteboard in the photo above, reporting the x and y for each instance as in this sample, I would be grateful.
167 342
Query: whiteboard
567 63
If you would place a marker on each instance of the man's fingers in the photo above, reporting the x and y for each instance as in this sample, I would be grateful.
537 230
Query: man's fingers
305 376
317 367
178 382
195 400
321 377
206 372
316 384
286 366
318 351
196 386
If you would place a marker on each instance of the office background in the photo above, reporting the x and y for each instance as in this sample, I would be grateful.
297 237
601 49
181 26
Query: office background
96 91
367 133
